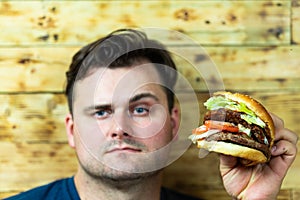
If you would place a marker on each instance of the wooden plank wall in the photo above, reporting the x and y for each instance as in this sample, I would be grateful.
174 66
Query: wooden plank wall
254 44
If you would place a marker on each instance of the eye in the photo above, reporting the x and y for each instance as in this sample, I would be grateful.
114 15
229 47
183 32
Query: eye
101 114
140 110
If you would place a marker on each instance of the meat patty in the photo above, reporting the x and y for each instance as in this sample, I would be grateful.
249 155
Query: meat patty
239 139
257 133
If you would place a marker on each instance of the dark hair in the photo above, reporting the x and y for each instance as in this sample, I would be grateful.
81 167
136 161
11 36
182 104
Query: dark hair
123 47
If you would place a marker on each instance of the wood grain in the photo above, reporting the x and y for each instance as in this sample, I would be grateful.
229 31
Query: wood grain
253 47
296 22
253 68
242 68
32 147
34 69
27 118
208 22
27 165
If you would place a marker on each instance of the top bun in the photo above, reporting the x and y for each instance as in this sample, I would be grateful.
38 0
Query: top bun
253 105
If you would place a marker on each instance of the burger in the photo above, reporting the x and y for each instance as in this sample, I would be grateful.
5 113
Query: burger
236 125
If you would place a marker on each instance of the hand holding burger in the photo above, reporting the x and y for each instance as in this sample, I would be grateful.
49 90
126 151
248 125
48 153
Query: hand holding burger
262 181
254 160
236 125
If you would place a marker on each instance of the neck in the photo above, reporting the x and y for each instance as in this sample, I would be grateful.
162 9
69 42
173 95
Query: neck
143 187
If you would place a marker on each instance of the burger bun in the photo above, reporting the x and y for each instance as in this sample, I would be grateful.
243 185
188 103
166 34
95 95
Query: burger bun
249 156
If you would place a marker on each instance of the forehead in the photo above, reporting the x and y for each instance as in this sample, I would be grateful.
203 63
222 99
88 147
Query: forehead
105 82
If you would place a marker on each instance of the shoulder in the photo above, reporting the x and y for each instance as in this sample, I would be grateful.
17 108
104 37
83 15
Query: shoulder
60 189
168 194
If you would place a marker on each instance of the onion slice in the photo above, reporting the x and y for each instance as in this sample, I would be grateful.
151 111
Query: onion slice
195 137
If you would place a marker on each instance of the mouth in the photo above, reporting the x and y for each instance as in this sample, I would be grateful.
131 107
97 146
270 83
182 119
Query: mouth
125 149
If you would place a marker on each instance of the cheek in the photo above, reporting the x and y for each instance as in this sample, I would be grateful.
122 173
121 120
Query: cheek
156 135
89 138
88 127
153 125
152 129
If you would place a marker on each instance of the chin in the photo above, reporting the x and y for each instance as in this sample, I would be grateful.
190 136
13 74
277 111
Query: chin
121 176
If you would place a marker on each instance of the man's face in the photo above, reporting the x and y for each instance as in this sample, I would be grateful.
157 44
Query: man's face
121 125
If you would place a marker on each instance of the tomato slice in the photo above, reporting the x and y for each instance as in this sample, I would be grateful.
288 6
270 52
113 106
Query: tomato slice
200 129
224 126
211 124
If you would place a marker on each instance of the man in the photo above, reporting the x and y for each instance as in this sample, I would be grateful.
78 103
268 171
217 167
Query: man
123 121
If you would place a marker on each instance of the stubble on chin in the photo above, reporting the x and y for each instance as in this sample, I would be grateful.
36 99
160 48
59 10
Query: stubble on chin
117 178
119 166
123 167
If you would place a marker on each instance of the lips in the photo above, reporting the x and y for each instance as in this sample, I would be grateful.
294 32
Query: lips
123 149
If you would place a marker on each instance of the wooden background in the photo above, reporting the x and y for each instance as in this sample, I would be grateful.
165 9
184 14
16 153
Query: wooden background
255 45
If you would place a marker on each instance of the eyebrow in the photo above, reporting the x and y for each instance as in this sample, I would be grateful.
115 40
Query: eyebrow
141 96
97 107
131 100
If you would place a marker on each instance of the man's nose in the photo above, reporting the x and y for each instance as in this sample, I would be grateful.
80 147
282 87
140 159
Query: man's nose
120 127
118 133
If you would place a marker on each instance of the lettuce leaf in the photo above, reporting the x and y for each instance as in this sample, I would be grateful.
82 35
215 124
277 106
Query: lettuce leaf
253 120
218 102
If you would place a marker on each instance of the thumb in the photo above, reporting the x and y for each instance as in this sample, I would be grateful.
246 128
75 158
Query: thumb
227 163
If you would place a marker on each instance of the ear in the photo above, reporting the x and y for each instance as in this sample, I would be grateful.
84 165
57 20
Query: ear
69 123
175 120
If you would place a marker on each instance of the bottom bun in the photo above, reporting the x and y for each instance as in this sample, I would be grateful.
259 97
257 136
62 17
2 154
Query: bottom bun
248 155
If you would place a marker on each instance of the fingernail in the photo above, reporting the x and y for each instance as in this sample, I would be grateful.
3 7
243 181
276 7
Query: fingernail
273 148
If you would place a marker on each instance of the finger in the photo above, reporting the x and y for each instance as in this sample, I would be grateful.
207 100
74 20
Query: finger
278 122
228 161
285 150
286 134
283 156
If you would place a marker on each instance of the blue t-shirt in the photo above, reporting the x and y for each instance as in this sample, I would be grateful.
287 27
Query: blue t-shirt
64 189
